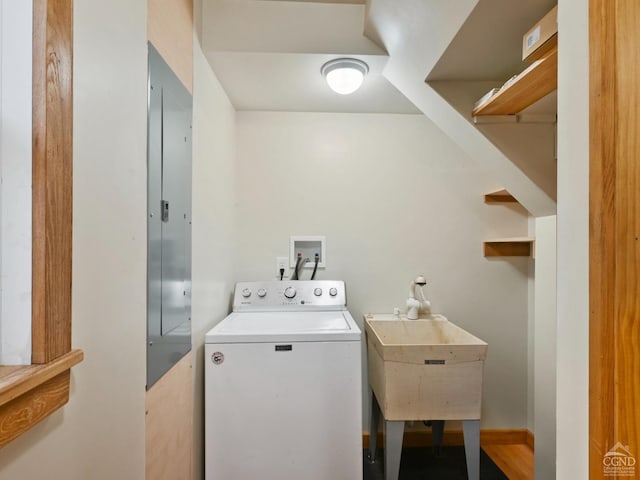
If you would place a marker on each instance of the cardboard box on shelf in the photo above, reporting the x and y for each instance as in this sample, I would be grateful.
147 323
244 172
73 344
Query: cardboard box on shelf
542 37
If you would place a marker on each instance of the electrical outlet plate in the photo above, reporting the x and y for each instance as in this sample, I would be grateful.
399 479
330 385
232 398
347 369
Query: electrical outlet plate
282 262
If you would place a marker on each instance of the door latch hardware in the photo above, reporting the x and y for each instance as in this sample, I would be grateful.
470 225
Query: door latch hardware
164 205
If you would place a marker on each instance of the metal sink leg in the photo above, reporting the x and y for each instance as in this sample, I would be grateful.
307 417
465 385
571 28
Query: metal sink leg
374 420
471 430
394 432
437 430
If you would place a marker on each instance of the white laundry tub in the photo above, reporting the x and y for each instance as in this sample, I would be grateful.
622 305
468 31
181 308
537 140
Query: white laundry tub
424 369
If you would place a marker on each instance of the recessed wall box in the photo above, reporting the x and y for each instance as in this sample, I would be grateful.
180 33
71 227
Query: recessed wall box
308 246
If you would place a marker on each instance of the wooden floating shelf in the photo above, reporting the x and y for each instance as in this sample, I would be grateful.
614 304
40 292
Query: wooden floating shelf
537 81
500 196
509 247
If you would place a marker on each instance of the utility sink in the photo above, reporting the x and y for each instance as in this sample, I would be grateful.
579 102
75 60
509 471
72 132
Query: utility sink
424 369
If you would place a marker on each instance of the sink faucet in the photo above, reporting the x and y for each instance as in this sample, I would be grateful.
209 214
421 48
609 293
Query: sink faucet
415 306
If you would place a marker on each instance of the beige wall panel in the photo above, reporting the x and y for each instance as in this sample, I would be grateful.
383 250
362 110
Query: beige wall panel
169 420
170 29
169 424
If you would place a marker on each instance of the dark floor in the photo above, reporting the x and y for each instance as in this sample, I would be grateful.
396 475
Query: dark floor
422 464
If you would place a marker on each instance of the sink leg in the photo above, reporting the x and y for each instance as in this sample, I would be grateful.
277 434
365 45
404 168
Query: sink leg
471 430
374 420
392 449
437 429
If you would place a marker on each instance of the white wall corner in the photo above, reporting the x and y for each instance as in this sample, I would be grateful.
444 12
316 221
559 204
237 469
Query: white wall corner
545 348
573 241
530 334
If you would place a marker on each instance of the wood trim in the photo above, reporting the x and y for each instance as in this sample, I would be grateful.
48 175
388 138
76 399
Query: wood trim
601 248
614 229
23 379
627 233
530 441
52 178
31 393
25 411
424 438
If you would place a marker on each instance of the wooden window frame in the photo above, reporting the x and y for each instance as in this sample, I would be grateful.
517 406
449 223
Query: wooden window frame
30 393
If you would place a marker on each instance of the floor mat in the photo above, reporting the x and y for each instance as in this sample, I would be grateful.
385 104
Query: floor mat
422 464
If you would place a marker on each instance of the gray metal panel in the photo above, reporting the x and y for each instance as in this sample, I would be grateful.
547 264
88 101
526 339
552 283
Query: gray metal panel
154 196
169 239
176 192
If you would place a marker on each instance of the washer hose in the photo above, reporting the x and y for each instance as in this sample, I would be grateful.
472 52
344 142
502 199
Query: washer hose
315 267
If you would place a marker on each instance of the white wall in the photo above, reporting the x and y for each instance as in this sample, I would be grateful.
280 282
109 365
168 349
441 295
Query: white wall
573 240
99 435
545 348
529 146
214 229
531 336
15 190
395 198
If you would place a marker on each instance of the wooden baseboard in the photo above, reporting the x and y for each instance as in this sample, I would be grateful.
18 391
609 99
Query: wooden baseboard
456 437
531 441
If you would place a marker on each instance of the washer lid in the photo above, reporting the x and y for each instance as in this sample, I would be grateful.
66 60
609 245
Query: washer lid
250 327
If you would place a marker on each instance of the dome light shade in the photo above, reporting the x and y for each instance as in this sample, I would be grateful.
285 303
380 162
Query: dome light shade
345 75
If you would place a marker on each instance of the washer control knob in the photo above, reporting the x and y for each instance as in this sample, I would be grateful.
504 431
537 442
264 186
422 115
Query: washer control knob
246 293
261 292
333 291
289 292
317 292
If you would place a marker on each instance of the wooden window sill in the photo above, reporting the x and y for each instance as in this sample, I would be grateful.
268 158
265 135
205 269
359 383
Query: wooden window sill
30 393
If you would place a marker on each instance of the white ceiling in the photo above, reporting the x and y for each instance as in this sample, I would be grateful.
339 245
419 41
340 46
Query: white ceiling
267 54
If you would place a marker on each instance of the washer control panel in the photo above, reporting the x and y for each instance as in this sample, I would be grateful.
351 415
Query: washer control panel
290 295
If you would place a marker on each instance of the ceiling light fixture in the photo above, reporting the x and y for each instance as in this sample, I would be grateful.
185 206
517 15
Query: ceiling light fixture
344 75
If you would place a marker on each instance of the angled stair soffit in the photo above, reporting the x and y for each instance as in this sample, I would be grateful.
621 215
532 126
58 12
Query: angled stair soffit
488 45
285 27
528 144
357 2
424 39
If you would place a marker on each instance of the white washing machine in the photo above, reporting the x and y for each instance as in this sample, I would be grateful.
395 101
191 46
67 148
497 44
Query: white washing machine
283 387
